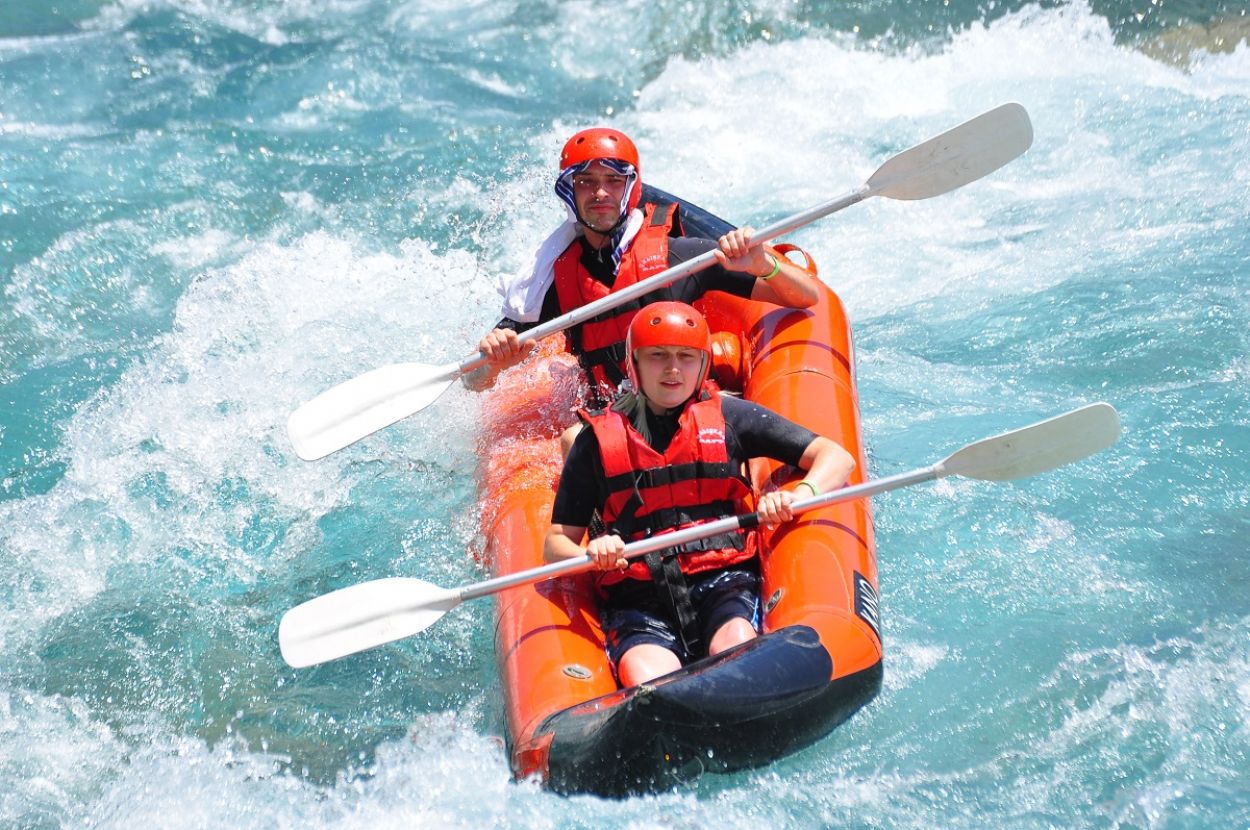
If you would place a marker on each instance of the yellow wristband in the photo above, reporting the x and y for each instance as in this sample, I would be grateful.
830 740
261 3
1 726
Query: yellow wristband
809 486
772 273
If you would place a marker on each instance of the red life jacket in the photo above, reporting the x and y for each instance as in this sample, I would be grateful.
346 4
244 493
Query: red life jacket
599 342
693 482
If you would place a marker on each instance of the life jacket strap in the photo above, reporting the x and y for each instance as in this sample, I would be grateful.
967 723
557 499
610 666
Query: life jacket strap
631 526
610 358
672 474
674 593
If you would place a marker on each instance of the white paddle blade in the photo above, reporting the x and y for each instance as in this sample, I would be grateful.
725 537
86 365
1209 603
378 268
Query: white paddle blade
344 414
361 617
1035 449
958 156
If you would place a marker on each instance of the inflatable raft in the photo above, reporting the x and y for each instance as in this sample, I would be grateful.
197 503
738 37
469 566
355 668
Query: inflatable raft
819 659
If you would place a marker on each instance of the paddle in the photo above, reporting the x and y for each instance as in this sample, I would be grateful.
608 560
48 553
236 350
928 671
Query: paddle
344 414
373 613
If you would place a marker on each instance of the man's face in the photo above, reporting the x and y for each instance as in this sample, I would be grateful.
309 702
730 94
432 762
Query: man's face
597 192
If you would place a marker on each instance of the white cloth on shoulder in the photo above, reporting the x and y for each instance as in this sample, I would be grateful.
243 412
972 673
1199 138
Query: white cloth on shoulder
523 292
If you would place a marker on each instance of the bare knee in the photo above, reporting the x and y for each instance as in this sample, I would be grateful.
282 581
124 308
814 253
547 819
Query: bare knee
645 662
735 631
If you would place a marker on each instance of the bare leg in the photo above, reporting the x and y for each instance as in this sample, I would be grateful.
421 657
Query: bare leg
646 662
735 631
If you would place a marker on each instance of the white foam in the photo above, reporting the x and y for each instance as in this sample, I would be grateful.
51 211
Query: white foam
53 755
1177 688
910 662
209 405
472 17
180 782
199 250
54 132
267 22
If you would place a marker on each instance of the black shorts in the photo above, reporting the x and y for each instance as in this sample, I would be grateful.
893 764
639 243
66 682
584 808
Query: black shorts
633 613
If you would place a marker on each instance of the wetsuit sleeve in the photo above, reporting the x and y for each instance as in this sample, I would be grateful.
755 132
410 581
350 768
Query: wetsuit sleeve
713 278
760 432
581 490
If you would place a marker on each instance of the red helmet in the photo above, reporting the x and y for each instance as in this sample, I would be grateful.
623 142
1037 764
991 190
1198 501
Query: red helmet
599 143
604 143
667 324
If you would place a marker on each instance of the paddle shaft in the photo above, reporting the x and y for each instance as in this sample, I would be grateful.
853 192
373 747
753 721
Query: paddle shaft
633 550
672 275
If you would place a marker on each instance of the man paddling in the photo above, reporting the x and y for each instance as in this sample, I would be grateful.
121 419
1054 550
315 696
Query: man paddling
612 241
672 455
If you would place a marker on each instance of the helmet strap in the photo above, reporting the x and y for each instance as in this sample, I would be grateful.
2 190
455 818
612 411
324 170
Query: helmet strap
564 190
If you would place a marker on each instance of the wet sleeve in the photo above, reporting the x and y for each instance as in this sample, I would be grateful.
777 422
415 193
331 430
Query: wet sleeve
763 433
581 483
714 278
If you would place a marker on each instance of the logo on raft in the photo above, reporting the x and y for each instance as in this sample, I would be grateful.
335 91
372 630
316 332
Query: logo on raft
867 605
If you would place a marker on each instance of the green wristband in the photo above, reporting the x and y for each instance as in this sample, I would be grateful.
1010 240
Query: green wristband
809 486
774 272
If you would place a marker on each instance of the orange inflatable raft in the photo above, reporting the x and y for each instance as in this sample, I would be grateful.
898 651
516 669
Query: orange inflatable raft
819 658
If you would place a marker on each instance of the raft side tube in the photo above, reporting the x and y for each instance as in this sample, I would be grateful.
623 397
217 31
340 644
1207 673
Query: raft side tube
819 570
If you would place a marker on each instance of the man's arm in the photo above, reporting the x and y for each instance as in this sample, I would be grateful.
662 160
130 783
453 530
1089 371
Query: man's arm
791 287
777 279
503 349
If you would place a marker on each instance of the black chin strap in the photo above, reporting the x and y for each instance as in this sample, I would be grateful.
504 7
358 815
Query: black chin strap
610 233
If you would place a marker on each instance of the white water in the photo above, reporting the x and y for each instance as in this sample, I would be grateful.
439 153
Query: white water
140 683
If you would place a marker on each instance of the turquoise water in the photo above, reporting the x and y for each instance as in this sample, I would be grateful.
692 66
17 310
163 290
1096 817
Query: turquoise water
210 210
